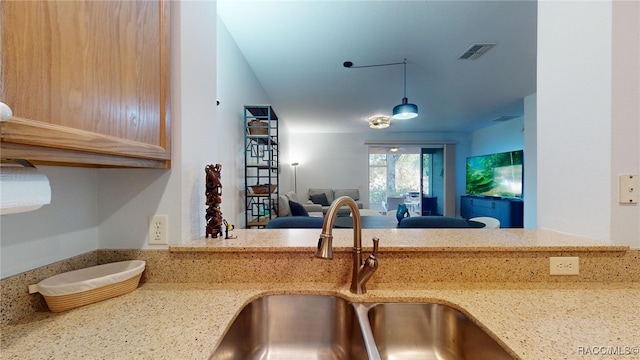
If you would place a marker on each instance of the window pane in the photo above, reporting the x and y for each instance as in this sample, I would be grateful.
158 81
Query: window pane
407 173
377 159
377 184
426 167
377 178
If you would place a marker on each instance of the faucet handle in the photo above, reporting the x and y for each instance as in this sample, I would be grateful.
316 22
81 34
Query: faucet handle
375 246
369 267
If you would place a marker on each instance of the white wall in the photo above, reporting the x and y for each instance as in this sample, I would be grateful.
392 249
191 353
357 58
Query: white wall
501 137
65 228
574 117
625 117
237 86
530 186
330 160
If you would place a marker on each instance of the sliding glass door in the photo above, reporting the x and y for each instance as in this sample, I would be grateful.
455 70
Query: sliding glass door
432 181
394 178
409 175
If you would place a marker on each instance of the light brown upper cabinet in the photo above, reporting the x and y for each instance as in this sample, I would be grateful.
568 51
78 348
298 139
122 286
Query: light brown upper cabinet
88 82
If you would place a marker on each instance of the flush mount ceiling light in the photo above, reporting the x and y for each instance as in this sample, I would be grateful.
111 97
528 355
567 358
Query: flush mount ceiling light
379 122
403 111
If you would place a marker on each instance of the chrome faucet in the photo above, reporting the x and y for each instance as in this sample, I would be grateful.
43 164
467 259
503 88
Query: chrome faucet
362 272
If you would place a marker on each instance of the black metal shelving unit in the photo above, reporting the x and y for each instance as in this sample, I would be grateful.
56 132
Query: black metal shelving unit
261 176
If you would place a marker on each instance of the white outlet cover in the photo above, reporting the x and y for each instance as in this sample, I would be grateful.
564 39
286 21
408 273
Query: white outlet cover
158 224
629 189
568 265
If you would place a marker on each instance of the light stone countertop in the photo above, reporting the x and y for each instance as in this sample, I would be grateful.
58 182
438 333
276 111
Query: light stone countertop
535 320
186 321
441 240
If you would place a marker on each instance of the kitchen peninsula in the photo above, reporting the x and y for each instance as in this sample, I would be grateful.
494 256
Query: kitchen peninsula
192 292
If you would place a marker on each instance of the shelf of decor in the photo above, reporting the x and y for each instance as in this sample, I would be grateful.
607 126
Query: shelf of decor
261 164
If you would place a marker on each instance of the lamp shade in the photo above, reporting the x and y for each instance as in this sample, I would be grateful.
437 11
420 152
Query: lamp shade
405 110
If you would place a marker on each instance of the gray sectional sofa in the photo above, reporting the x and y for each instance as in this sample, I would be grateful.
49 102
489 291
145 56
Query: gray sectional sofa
285 210
315 197
317 209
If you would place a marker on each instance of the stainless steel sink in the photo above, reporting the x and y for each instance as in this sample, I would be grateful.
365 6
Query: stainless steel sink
429 331
326 327
294 327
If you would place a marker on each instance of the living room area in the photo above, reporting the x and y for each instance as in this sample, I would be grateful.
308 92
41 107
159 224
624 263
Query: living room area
348 167
339 157
409 177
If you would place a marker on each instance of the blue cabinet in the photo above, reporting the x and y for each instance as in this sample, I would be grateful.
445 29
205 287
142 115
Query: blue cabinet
508 211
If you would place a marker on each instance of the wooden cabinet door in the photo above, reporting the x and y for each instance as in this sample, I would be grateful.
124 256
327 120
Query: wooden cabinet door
88 82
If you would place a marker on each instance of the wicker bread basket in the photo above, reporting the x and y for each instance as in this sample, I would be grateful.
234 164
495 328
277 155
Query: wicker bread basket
76 288
257 127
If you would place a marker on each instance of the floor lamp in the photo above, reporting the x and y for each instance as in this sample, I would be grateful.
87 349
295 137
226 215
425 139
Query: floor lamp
295 176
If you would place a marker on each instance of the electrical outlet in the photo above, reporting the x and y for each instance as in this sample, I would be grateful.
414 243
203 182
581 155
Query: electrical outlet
564 265
158 229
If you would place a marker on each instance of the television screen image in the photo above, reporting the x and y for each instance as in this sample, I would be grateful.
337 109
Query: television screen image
495 174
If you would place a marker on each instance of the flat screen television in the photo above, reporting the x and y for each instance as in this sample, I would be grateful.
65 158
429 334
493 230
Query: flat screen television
498 175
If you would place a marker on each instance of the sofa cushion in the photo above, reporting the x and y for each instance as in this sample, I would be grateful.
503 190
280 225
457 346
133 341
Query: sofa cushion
292 196
352 193
328 193
297 209
285 210
320 199
283 206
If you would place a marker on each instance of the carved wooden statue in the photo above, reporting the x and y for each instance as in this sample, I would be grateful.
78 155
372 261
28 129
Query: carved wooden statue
213 192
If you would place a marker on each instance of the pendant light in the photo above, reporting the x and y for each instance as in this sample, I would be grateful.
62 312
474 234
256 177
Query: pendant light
405 110
400 112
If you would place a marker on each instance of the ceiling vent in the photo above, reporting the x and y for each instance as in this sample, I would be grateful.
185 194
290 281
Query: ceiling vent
504 118
476 50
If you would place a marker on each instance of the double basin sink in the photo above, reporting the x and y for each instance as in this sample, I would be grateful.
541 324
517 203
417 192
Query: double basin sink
328 327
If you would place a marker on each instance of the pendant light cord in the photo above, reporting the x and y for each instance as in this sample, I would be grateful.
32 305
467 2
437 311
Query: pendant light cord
349 65
405 77
404 110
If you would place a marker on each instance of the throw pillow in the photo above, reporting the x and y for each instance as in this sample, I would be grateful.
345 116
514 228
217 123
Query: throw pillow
297 209
320 199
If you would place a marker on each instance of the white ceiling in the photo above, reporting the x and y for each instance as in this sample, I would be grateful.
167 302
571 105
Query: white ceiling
297 48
